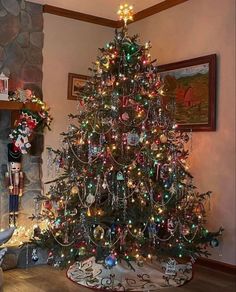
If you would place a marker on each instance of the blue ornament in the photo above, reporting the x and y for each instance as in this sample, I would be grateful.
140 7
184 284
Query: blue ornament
168 183
110 261
214 242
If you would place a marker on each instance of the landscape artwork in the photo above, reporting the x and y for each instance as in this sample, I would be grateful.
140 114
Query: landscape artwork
192 94
192 84
76 83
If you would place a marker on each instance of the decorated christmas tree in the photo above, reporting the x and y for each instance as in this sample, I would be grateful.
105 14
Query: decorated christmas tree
124 192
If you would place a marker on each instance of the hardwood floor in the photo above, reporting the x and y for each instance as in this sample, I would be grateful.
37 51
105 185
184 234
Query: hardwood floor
48 279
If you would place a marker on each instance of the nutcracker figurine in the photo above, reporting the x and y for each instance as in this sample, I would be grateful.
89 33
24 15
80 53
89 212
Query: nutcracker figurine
14 178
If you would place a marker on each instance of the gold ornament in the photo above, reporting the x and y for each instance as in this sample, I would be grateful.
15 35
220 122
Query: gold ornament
74 190
98 232
130 183
88 212
82 250
163 138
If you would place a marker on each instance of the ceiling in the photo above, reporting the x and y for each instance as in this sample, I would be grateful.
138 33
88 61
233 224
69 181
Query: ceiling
102 8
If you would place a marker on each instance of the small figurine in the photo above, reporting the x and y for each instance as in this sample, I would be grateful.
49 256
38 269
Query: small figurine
14 178
34 255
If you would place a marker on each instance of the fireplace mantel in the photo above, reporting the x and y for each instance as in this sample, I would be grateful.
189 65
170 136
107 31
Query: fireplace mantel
15 108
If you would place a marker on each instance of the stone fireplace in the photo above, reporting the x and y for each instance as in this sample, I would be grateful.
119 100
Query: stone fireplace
21 43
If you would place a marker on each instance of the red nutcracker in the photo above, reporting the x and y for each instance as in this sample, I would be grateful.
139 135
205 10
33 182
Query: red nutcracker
14 178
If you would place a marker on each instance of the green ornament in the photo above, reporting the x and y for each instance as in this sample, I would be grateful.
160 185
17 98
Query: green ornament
119 175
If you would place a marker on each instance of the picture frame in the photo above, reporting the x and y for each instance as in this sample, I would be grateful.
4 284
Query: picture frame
193 84
76 84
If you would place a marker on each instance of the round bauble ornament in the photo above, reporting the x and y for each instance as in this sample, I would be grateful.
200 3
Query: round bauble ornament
214 242
136 190
130 183
98 232
185 230
90 199
132 139
163 138
110 261
74 190
125 116
47 205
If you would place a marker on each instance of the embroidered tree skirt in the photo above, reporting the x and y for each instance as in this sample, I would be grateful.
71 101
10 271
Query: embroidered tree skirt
150 276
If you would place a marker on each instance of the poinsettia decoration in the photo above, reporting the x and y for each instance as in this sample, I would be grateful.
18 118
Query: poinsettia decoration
31 118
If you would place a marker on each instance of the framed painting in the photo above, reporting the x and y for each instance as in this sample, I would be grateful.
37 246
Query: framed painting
193 85
76 84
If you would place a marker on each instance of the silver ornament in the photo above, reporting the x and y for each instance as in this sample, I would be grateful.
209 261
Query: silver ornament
132 139
90 199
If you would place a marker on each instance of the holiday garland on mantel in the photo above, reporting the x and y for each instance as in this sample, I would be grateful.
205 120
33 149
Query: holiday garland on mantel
35 115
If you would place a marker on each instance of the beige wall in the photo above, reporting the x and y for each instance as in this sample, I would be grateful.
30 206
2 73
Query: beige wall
69 46
192 29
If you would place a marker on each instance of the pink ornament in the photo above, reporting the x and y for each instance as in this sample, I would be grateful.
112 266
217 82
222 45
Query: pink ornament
125 116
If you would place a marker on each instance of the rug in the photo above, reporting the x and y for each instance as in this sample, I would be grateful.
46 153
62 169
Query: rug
150 276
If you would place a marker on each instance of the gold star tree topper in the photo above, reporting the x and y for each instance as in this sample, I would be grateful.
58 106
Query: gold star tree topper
125 13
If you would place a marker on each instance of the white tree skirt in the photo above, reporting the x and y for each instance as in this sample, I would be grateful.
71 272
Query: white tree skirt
150 277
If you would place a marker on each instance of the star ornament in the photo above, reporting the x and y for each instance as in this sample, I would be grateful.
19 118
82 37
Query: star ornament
125 13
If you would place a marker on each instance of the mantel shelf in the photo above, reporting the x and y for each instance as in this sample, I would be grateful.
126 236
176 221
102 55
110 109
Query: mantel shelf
17 106
10 105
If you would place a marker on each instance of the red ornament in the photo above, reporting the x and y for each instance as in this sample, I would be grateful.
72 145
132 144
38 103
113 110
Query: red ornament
47 205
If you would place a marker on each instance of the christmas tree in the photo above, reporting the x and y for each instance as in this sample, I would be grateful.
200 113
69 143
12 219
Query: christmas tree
125 191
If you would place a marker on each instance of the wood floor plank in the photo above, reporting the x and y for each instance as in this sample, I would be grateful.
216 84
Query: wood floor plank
48 279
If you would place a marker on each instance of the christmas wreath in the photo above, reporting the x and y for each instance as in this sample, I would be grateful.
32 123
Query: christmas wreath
34 115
